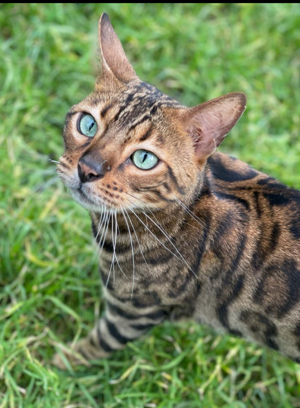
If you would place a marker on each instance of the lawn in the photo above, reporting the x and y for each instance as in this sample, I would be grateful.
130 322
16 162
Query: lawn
49 285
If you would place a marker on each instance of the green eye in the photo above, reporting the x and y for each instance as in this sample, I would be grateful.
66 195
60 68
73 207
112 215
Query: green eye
88 125
144 160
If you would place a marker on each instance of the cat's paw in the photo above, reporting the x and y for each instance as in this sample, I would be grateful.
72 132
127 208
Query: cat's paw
74 356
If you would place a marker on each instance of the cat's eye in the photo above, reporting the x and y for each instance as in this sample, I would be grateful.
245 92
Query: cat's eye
87 125
144 160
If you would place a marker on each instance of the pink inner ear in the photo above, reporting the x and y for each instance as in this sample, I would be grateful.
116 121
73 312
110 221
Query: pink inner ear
210 122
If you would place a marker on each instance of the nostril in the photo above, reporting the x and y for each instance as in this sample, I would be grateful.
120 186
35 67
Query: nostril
91 176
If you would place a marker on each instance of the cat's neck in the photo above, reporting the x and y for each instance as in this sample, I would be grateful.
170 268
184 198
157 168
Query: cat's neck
137 223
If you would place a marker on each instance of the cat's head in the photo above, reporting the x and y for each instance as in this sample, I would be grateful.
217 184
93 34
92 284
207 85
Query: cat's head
127 145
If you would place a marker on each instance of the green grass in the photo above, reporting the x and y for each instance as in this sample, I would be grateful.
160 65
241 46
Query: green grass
49 284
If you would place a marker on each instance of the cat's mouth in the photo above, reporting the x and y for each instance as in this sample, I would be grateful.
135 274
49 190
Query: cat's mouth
84 196
91 202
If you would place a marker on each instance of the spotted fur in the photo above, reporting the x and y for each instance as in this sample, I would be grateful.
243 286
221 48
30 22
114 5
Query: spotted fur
202 236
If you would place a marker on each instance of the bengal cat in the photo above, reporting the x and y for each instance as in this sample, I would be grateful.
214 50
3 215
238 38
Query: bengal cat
184 232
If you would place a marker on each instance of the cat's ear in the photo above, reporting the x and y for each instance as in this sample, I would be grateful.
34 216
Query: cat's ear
209 123
114 60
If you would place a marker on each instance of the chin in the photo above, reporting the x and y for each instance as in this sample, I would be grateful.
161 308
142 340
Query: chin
86 202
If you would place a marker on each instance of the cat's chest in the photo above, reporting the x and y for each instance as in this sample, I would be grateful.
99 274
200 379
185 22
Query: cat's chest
166 283
170 285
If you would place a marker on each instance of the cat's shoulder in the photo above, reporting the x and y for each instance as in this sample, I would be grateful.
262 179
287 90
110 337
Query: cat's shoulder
226 171
229 169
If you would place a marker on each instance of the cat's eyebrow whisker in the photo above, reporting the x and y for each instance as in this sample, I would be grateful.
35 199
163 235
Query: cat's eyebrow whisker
132 250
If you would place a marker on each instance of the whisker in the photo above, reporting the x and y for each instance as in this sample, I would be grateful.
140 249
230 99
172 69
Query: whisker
137 239
101 228
200 222
104 233
114 248
109 272
180 259
132 250
99 225
170 240
161 209
115 244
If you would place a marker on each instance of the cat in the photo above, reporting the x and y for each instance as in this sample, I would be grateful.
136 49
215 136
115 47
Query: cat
184 232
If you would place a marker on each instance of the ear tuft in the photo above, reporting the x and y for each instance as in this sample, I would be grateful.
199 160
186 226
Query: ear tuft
209 123
114 60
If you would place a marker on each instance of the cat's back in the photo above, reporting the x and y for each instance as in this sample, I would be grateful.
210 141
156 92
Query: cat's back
262 193
270 211
255 290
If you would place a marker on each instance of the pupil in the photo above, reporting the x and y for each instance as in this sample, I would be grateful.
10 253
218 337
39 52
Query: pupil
144 157
90 127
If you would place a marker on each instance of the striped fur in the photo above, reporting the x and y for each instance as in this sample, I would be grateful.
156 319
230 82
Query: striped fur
202 236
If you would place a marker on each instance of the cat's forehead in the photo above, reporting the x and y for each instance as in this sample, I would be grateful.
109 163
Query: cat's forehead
137 101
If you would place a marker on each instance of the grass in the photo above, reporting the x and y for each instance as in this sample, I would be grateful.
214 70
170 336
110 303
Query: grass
50 288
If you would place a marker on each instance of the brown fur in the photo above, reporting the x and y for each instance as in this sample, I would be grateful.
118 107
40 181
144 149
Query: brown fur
200 236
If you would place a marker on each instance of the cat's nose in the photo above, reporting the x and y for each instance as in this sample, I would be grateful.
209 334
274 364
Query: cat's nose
90 169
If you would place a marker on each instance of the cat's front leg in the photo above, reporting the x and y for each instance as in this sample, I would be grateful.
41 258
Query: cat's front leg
112 332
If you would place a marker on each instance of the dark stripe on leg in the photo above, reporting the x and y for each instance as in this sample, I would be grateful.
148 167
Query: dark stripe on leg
115 333
83 354
103 343
142 327
160 314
